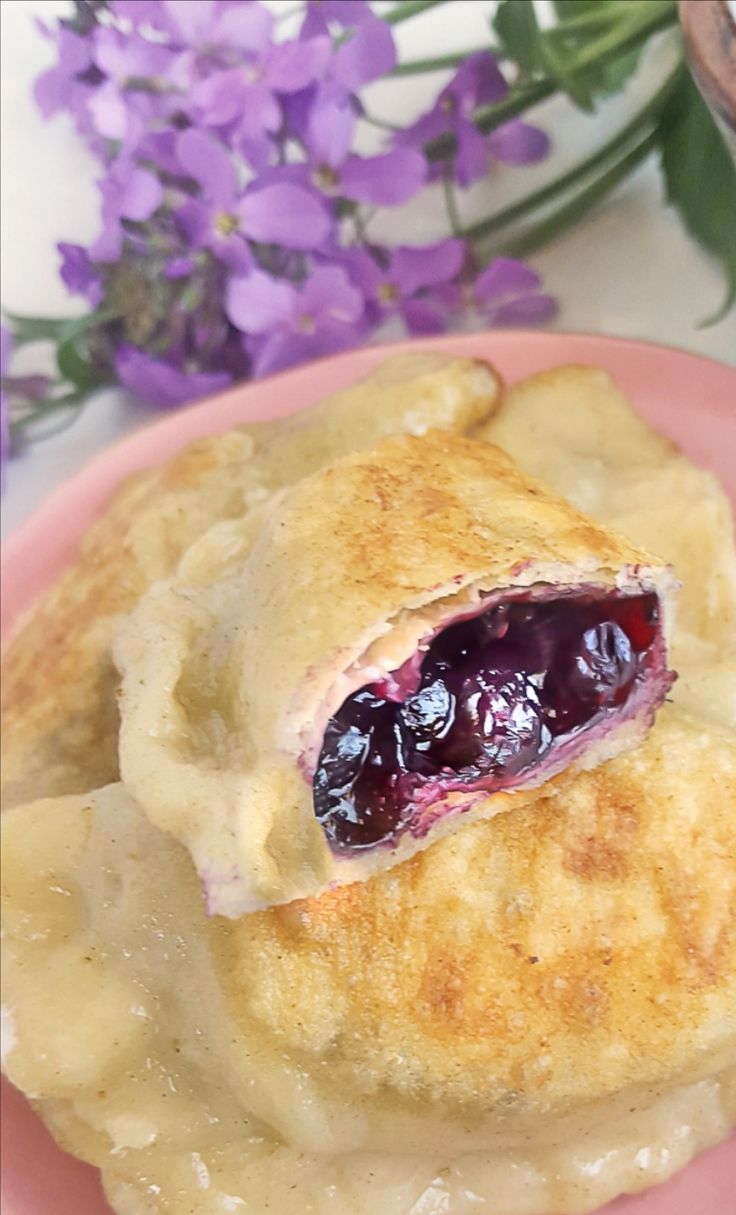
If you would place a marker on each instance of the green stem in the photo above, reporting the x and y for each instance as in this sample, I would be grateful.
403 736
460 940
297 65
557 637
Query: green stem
602 51
451 203
409 8
532 202
600 15
569 213
381 123
439 63
44 409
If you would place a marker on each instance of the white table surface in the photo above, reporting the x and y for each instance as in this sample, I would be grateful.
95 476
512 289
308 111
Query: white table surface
627 269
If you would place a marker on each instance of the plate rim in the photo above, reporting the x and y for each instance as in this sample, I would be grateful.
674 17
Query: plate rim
127 452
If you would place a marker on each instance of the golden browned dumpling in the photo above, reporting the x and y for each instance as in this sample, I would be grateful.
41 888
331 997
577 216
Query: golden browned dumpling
414 634
575 429
540 1007
59 716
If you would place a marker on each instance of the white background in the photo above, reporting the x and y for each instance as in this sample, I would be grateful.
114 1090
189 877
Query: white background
627 269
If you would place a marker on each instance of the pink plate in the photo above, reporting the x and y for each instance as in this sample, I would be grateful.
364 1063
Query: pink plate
688 398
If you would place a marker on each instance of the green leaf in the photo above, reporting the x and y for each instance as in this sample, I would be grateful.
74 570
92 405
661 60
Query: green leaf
35 328
27 329
517 30
561 66
77 369
580 23
700 179
568 10
617 73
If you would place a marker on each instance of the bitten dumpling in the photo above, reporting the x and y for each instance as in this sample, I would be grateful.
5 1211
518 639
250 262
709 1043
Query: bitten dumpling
415 637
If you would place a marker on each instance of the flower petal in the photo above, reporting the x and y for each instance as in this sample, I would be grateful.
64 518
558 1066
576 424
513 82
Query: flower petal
413 267
248 26
140 196
260 112
330 132
471 159
196 221
256 303
291 66
140 12
368 55
205 160
428 126
518 143
329 294
505 276
77 272
179 267
363 269
220 96
424 316
159 383
345 12
387 180
528 310
51 89
286 349
109 244
478 81
121 56
286 215
109 111
192 23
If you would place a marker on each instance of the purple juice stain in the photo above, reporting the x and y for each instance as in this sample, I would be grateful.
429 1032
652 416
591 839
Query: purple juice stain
496 694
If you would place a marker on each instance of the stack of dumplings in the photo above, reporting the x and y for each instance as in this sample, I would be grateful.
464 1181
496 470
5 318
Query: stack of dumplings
362 852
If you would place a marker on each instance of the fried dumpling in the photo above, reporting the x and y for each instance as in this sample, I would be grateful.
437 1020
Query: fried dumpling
415 633
59 715
577 431
539 1008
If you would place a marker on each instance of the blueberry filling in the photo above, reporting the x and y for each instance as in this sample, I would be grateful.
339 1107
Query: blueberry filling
495 695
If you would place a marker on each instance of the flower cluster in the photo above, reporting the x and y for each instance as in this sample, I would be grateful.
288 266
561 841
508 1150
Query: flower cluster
235 236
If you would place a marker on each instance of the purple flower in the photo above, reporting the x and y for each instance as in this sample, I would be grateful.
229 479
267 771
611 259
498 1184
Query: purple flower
118 111
140 12
128 192
518 143
285 324
281 213
250 97
179 267
61 86
160 383
368 54
341 12
387 180
369 51
78 274
230 189
478 81
505 293
217 33
400 284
